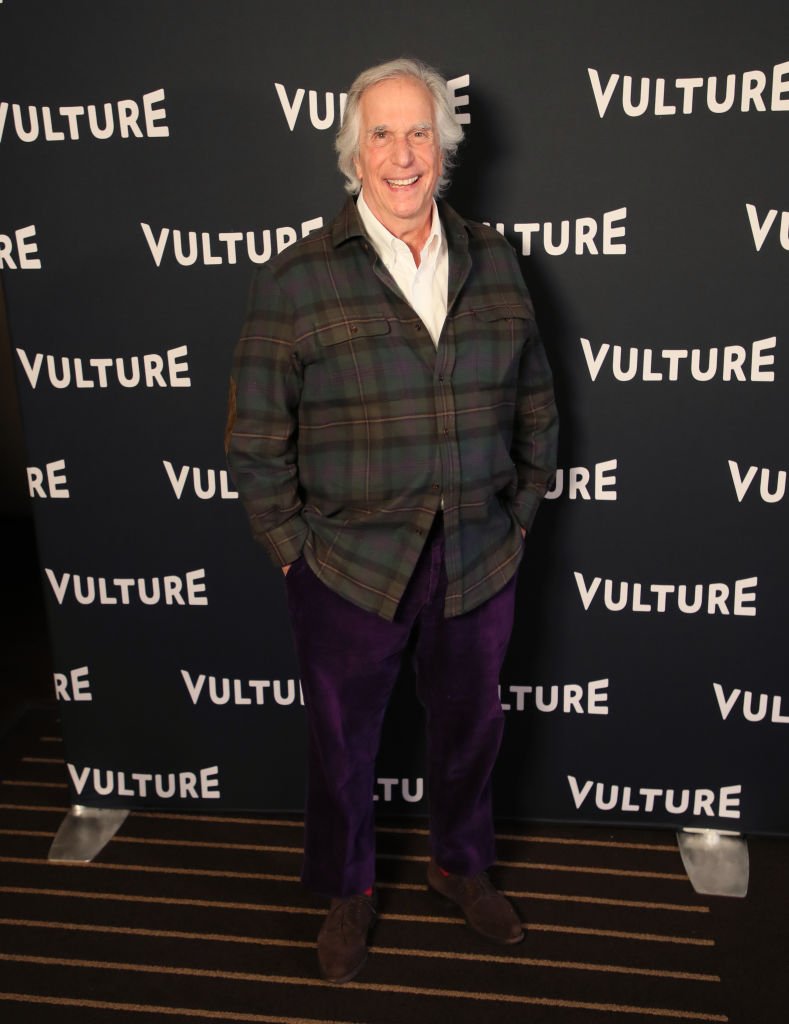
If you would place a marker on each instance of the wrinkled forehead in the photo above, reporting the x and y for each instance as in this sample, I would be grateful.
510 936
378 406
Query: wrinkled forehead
399 103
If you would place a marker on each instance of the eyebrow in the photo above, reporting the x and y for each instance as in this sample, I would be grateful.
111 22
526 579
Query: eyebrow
421 126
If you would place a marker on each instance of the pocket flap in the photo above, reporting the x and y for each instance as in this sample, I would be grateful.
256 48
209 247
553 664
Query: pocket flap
504 311
348 330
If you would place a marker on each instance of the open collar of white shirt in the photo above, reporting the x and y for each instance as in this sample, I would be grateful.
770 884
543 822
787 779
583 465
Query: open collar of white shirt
389 247
424 287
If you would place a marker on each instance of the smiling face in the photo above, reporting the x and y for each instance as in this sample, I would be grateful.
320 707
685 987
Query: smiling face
399 161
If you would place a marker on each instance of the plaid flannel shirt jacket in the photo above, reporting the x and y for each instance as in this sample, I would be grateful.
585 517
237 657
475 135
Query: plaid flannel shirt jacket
348 427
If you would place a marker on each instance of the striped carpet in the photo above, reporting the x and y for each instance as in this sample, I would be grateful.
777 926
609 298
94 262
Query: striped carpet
202 918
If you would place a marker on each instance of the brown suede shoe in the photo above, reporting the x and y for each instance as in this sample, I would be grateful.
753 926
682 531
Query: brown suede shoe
342 940
485 909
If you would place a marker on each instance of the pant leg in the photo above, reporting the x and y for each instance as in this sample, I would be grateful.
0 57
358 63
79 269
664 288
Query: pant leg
349 662
458 664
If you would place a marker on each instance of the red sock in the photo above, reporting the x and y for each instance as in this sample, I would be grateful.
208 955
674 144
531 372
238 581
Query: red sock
444 873
368 892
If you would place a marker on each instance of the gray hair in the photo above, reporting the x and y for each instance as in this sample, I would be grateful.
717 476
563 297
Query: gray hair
448 131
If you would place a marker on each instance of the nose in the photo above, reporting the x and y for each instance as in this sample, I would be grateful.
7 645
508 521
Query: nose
402 153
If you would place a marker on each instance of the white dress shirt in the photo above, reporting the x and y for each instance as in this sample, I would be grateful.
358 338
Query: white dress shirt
424 286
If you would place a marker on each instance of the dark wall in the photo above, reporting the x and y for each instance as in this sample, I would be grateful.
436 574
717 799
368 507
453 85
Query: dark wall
646 676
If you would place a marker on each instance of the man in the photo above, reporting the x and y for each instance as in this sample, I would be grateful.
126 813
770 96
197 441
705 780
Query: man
392 432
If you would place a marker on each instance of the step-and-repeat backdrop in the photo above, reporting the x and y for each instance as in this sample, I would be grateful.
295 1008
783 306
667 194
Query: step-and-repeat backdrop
154 153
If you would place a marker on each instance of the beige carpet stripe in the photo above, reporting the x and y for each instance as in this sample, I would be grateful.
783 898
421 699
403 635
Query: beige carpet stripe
383 829
29 832
571 965
259 876
424 954
400 831
410 858
607 844
397 830
608 933
168 1011
519 894
35 807
268 908
169 901
38 785
153 841
688 908
148 869
279 979
410 918
43 760
199 844
220 819
572 868
156 933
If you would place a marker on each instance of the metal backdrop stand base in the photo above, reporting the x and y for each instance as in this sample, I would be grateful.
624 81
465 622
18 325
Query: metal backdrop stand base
716 862
85 831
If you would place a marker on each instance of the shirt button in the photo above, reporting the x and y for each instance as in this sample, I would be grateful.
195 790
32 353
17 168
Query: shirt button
418 327
436 487
441 378
354 328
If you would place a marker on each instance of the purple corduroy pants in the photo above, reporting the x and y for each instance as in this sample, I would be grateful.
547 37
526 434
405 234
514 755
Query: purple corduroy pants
349 661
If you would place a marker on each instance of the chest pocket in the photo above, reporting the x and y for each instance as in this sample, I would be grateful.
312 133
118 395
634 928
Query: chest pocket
501 332
348 362
350 330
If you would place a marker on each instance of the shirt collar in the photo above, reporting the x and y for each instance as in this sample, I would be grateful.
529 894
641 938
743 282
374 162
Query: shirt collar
382 238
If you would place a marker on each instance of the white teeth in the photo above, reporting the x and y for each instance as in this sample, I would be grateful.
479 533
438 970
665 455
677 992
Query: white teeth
403 181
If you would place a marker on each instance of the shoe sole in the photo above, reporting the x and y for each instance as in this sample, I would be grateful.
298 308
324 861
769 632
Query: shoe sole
347 977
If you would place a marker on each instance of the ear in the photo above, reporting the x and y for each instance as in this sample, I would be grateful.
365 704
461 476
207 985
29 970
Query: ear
358 168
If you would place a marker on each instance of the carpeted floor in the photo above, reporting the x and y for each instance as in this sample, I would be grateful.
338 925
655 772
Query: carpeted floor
201 917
